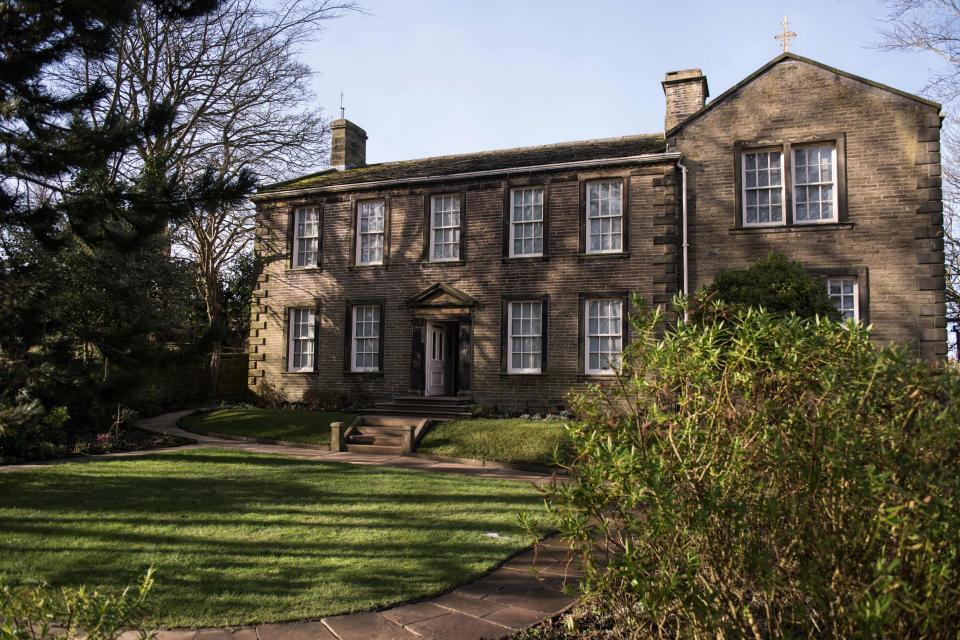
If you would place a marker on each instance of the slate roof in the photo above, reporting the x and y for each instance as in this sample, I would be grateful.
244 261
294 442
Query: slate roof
483 161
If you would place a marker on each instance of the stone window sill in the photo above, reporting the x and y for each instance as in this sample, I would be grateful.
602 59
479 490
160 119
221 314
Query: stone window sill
603 256
794 228
524 259
505 374
363 374
443 263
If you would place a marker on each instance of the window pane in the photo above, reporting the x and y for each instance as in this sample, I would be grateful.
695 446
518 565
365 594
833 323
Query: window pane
762 187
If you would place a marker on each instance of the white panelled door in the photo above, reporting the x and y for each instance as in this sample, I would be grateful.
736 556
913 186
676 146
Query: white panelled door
435 360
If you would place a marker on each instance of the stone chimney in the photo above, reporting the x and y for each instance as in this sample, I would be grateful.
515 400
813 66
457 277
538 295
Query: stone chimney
348 148
686 92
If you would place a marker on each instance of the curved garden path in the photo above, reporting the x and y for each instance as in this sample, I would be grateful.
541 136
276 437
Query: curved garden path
525 590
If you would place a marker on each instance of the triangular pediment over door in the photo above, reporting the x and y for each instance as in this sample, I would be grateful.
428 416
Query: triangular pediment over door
443 296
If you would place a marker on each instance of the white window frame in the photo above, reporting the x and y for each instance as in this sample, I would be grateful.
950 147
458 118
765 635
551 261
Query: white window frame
298 214
354 338
743 188
382 233
455 197
292 339
856 293
513 223
620 182
586 335
793 178
510 336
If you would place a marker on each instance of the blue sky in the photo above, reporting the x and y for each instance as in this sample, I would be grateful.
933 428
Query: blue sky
426 77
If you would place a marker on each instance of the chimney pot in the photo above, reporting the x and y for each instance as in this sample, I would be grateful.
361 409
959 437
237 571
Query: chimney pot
686 92
348 146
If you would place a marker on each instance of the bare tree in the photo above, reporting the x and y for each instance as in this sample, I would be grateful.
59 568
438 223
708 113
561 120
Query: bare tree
242 102
934 26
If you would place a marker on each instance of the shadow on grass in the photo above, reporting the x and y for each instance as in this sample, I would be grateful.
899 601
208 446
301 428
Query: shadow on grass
239 538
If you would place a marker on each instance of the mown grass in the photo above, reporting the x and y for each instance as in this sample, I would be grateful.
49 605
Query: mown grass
295 425
239 538
511 440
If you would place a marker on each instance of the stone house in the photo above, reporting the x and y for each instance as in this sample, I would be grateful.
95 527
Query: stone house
505 277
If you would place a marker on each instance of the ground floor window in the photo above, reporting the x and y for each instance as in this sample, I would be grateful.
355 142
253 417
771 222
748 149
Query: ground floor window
603 333
365 347
845 295
302 332
525 336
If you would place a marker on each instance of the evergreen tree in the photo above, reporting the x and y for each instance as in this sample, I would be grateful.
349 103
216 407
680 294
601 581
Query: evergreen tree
57 191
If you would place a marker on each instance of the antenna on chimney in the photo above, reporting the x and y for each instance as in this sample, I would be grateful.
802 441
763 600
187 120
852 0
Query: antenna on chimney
786 35
342 110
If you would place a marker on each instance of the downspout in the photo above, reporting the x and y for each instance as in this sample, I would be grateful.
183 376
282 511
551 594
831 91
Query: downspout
686 243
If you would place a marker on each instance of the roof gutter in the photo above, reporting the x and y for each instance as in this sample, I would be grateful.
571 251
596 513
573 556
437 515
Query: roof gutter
373 184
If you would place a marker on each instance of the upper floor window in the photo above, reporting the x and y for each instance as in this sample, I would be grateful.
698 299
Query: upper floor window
603 332
306 236
762 188
525 336
365 345
814 183
445 228
526 222
604 211
798 183
371 220
845 295
302 339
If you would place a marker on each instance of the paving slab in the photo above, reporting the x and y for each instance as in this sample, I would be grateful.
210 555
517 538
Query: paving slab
549 596
246 633
176 634
459 626
213 634
516 617
471 605
295 631
498 581
366 626
407 614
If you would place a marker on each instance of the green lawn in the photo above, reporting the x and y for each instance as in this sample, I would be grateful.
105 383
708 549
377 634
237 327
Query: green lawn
240 538
295 425
512 440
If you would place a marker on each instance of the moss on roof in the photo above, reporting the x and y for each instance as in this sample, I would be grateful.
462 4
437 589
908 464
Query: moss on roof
483 161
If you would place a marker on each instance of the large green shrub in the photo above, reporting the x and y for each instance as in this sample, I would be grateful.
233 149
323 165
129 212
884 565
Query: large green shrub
777 284
768 477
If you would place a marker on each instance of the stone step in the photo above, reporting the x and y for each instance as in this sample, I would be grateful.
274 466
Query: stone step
414 411
369 429
362 438
373 448
444 400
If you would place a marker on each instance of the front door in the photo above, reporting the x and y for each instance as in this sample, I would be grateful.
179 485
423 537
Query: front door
436 362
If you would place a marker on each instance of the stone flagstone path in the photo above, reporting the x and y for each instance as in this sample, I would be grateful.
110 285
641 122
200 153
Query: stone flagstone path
532 586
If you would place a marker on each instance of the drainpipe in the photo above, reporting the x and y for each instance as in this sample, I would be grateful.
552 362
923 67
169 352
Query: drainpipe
686 243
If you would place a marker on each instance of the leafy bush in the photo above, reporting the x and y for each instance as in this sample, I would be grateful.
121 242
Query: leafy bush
41 437
43 613
777 284
769 477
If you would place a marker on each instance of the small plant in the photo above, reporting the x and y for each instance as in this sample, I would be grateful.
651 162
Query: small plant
269 396
43 613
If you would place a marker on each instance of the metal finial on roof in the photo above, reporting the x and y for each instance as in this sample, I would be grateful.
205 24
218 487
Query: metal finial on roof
786 35
342 110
